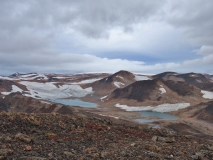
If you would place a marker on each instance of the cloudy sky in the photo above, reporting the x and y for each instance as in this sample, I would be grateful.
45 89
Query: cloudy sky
72 36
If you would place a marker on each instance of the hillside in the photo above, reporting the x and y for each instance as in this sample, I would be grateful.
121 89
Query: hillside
155 92
106 85
206 114
11 86
198 80
16 102
48 136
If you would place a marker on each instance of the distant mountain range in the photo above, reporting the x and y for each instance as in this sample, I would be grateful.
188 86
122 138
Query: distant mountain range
122 88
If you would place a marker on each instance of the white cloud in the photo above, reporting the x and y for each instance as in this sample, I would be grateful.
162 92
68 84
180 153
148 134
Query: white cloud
69 63
204 50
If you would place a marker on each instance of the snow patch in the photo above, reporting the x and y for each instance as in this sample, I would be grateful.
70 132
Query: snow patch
141 78
61 77
119 77
118 84
162 90
87 81
160 108
14 89
45 102
109 116
207 94
102 98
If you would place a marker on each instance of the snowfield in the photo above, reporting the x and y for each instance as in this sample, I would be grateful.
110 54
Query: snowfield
51 91
141 78
207 94
160 108
14 89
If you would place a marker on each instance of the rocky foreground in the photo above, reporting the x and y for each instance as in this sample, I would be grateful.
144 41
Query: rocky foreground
54 136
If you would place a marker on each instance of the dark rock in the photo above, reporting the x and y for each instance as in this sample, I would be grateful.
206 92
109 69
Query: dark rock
5 152
23 137
32 158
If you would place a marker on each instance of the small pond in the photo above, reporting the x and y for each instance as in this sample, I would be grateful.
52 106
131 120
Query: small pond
147 121
75 102
164 116
149 117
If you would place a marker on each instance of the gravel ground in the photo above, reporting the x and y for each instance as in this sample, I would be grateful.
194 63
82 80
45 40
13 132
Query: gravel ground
55 136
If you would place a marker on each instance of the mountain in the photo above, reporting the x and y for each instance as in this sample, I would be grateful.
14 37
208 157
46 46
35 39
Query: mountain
49 86
198 80
209 76
7 86
156 91
17 74
106 85
165 75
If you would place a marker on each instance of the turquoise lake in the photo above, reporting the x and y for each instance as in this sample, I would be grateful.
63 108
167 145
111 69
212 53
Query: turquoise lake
165 116
151 118
75 102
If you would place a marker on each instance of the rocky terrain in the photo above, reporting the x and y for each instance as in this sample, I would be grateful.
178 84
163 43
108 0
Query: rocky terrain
56 136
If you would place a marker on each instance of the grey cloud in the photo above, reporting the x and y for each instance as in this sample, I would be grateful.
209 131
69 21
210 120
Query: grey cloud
205 50
23 42
195 17
32 26
95 15
29 30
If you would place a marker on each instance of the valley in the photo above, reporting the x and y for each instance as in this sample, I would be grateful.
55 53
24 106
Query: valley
180 103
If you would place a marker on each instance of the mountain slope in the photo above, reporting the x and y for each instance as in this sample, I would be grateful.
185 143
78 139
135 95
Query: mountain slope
107 85
155 92
198 80
206 113
11 86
